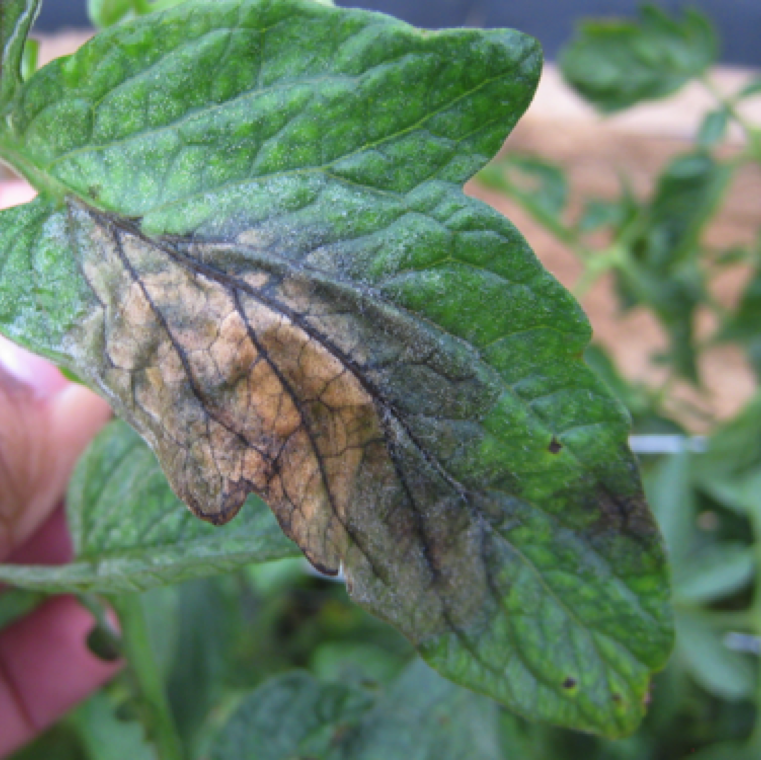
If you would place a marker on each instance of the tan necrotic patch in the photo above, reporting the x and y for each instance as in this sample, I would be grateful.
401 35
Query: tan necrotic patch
237 396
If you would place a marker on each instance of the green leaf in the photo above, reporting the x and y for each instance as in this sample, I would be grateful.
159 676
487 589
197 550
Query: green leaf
15 603
725 674
637 398
726 751
599 214
204 638
420 717
58 743
161 608
730 471
616 64
29 58
252 240
541 185
686 197
713 128
131 532
735 491
752 88
355 662
106 737
290 716
16 19
671 493
715 572
105 13
742 325
664 271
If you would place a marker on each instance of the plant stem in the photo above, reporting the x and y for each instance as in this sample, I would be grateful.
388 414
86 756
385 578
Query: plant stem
139 654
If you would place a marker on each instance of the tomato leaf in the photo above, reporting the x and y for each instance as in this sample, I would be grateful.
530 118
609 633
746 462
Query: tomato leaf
252 240
296 715
16 19
617 64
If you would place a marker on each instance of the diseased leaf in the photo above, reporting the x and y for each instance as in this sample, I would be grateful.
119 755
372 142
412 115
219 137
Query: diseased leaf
253 241
616 64
16 19
130 532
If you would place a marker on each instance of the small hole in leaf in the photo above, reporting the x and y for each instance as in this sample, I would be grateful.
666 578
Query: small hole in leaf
569 683
555 446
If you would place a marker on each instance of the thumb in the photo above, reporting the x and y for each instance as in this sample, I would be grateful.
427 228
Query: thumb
46 423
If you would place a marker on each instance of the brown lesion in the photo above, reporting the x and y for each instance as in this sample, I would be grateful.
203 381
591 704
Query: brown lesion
243 386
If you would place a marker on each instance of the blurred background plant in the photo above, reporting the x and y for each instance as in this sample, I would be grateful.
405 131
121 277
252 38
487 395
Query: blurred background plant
215 640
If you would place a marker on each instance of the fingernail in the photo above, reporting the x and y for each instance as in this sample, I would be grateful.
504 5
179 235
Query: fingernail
33 371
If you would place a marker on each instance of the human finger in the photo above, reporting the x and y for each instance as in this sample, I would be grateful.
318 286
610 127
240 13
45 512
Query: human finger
46 669
47 422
